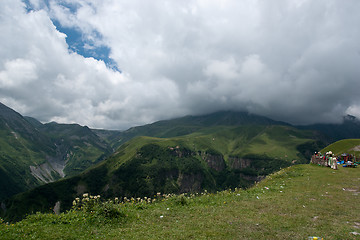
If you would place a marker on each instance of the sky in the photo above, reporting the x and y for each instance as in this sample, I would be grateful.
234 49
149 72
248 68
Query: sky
115 64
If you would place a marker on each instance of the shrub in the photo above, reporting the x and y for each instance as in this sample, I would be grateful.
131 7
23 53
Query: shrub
181 200
98 211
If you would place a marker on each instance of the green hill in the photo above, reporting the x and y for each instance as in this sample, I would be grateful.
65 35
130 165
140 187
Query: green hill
214 158
190 124
351 146
295 203
84 148
21 146
32 153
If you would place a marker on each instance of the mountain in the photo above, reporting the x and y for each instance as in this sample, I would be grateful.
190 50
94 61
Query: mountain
189 154
348 128
327 133
32 153
83 147
189 124
212 158
21 147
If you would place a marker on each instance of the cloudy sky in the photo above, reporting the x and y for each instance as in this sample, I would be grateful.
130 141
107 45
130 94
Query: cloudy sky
116 63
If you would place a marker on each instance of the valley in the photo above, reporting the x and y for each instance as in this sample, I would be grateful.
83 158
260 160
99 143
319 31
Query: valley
190 154
32 153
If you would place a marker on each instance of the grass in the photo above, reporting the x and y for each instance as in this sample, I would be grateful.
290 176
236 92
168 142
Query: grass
276 141
294 203
81 158
344 146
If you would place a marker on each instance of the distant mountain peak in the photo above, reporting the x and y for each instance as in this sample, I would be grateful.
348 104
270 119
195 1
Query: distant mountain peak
351 118
8 113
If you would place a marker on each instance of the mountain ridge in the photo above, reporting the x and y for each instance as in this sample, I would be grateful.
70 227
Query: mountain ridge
211 159
191 123
348 128
227 149
32 153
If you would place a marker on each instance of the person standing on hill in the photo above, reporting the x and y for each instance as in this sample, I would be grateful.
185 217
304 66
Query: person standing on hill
334 163
331 160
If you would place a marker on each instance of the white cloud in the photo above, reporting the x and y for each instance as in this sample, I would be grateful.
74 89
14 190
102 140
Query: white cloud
297 61
222 69
252 66
17 72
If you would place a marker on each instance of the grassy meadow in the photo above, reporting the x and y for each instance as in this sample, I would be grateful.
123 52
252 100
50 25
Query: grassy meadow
351 146
294 203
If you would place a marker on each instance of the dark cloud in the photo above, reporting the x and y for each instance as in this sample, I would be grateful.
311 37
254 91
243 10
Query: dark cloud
296 61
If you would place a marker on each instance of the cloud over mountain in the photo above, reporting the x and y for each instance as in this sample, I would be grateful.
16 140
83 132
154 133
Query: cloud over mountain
296 61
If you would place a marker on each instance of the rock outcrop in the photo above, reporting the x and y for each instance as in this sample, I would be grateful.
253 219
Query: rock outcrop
215 162
239 163
190 182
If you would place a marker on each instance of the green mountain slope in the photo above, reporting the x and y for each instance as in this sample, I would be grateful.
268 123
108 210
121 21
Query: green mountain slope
32 153
328 133
19 149
189 124
347 129
351 146
214 151
211 159
84 147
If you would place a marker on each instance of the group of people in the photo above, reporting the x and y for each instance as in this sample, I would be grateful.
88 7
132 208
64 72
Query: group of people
327 160
330 160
